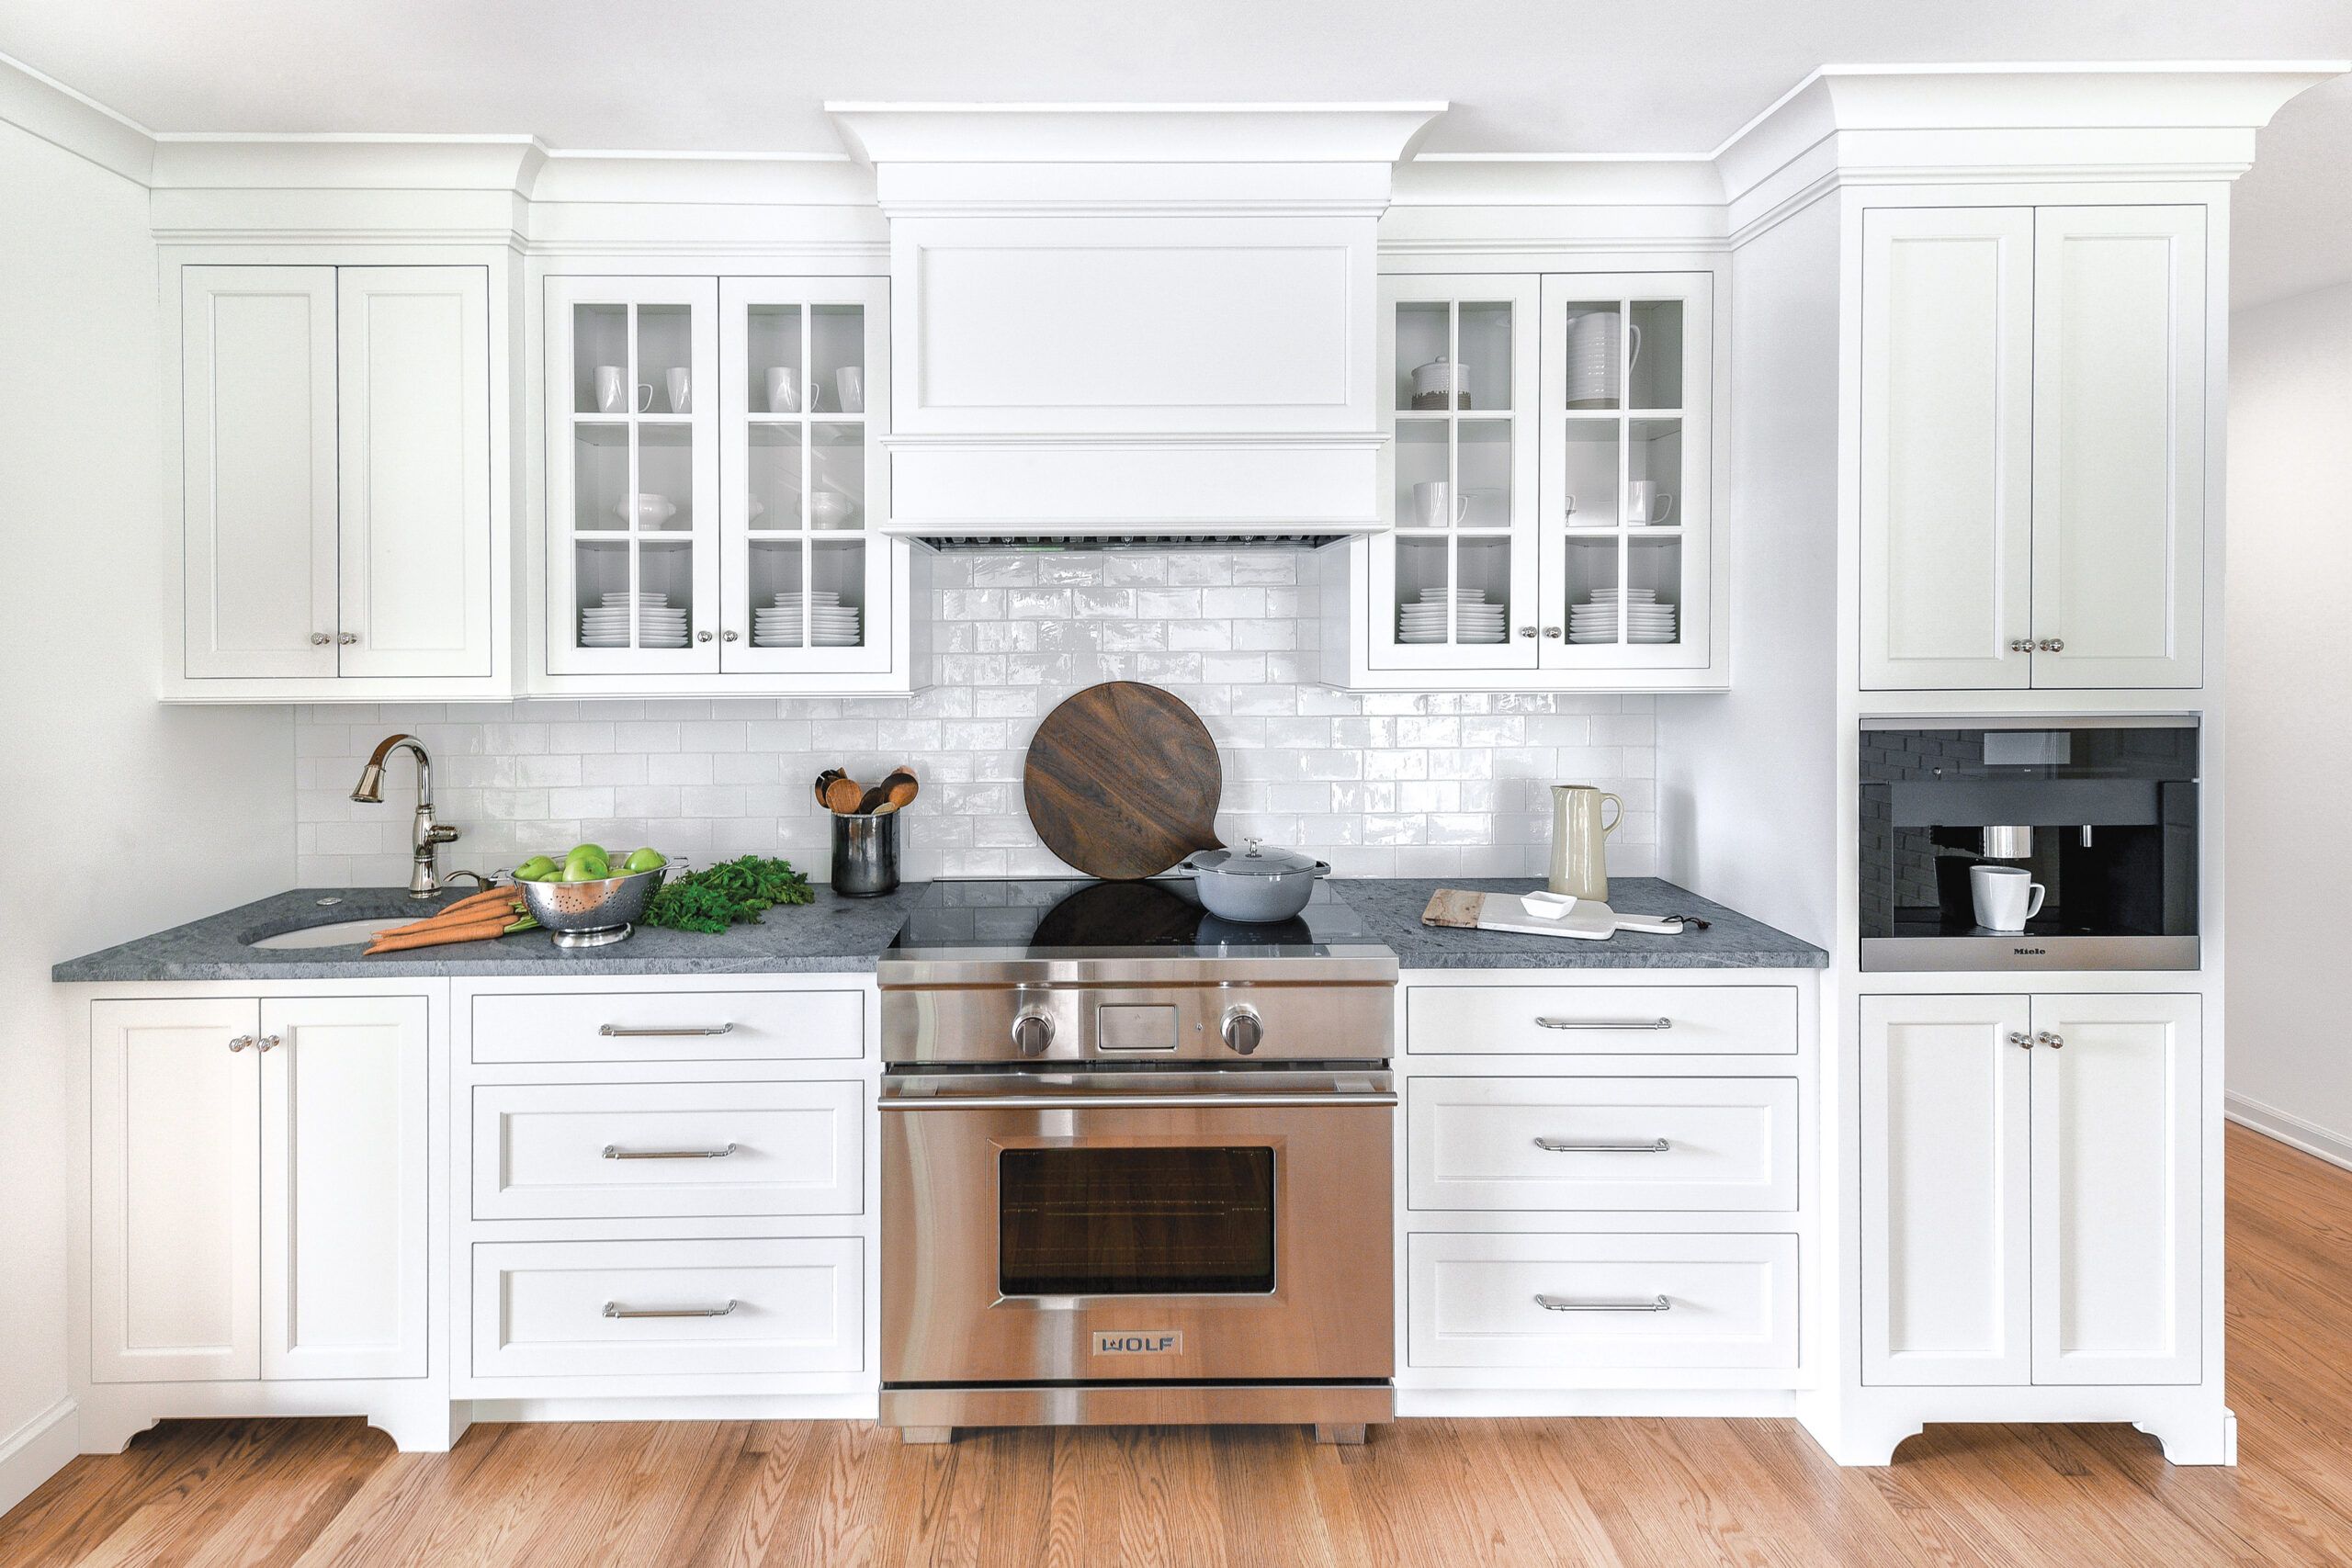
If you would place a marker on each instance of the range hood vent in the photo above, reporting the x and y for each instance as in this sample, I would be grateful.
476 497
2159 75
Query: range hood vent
1134 323
969 543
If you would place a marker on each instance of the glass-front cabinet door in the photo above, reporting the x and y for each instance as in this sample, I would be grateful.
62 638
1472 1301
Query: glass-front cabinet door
1453 582
807 573
1627 469
632 525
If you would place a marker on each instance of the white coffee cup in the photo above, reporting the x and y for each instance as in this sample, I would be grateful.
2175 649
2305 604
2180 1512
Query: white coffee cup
851 382
1438 506
2007 896
680 385
1646 505
783 390
611 383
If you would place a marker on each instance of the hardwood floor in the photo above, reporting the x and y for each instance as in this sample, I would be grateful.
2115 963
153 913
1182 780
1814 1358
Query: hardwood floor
1421 1492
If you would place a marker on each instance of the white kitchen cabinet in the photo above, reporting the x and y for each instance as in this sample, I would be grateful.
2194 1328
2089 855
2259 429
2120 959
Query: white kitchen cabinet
257 470
1549 486
744 414
258 1188
2031 1181
338 536
2033 447
413 419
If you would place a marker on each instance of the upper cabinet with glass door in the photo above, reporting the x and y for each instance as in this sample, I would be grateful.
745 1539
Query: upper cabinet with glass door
807 574
632 538
1627 472
1444 582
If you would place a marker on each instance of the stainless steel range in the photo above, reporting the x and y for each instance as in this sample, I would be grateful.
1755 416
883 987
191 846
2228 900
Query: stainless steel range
1135 1163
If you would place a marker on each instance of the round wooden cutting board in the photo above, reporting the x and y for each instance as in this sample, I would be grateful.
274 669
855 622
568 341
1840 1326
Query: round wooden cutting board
1122 780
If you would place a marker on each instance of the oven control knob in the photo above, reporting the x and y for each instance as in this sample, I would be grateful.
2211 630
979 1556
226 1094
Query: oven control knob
1242 1030
1031 1033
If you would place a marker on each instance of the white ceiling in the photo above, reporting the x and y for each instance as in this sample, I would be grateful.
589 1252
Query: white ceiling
750 76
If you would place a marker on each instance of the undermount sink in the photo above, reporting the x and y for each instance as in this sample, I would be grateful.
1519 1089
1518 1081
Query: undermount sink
337 933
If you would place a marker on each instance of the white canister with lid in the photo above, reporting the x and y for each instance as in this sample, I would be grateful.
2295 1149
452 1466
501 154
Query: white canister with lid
1441 384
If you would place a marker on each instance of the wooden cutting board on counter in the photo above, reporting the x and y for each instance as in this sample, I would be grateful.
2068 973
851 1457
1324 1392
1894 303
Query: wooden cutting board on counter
1122 780
1456 910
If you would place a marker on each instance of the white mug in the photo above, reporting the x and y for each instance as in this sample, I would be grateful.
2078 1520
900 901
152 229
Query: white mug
851 382
610 380
1436 504
783 390
680 385
2007 896
1646 504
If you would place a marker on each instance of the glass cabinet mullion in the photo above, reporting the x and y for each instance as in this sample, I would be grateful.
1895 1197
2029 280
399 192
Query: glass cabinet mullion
630 516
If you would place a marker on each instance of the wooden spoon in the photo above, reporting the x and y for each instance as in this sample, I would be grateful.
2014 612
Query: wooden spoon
824 781
844 795
871 801
901 794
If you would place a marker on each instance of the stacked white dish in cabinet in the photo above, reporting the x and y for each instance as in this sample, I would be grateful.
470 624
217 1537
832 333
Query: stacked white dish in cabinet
1473 619
1646 620
658 626
831 623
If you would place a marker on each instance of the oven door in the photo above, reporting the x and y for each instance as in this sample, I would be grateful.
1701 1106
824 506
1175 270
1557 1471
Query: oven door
1136 1226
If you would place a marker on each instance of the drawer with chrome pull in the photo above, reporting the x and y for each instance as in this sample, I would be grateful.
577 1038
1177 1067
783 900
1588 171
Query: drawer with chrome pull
1580 1302
1631 1021
634 1151
1598 1143
675 1308
668 1026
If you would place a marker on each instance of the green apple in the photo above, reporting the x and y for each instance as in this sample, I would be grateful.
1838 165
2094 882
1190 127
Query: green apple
581 865
645 859
539 868
594 852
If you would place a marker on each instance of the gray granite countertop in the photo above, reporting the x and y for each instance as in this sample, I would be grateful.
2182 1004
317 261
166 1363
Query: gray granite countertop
832 935
842 935
1391 907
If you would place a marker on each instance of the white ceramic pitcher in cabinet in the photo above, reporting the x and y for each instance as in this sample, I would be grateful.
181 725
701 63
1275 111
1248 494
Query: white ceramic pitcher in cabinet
1580 840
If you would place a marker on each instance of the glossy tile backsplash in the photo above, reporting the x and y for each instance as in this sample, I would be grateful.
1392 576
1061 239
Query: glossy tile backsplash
1379 785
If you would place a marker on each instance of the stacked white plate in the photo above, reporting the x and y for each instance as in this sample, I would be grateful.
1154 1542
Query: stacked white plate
1646 620
832 623
1474 619
658 626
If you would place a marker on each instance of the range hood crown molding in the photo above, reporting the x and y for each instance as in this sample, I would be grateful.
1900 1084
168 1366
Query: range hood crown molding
881 133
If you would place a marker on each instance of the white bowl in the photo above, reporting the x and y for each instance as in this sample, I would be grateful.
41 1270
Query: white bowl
831 509
653 511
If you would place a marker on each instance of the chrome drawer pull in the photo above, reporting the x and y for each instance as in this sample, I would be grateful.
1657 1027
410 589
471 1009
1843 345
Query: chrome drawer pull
627 1031
1553 1304
1634 1146
1605 1022
615 1309
611 1152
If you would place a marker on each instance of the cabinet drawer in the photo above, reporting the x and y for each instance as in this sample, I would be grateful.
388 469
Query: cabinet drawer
631 1151
670 1026
1481 1301
561 1308
1496 1142
1633 1021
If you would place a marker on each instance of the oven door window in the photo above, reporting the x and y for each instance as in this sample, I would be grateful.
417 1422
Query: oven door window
1136 1222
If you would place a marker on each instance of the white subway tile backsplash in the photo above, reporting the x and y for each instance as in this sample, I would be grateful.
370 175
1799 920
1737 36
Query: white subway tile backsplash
1388 783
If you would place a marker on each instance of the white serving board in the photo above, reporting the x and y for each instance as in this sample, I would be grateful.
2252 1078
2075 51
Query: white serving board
1503 912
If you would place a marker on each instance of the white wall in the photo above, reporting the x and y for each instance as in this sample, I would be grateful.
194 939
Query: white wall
118 815
1747 784
1380 785
2290 717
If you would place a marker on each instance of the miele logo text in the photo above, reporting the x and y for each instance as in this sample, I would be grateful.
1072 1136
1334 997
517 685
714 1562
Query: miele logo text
2030 951
1154 1342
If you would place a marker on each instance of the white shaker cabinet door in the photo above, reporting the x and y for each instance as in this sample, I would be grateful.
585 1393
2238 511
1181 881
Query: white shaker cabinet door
2119 445
257 470
2118 1155
342 1195
1946 1082
415 430
1947 447
175 1204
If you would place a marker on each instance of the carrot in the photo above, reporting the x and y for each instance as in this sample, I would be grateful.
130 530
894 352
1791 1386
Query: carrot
432 936
469 911
475 900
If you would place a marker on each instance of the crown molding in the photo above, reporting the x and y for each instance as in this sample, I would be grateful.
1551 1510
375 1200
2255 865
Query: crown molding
1133 133
44 106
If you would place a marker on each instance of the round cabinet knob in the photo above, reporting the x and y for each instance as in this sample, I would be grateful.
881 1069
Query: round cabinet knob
726 636
2052 645
1242 1031
2021 1040
320 639
1031 1033
1527 631
240 1042
1551 631
2054 1042
702 636
347 639
2020 645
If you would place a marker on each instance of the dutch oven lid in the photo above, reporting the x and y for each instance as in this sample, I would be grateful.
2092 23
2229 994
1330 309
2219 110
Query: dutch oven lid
1254 860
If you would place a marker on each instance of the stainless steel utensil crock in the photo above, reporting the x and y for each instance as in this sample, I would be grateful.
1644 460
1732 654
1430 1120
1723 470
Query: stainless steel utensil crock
865 854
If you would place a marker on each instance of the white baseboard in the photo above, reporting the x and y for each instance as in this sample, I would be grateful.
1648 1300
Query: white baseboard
688 1407
36 1451
2272 1122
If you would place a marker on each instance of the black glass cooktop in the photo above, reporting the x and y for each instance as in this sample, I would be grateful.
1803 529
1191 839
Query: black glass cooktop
1043 917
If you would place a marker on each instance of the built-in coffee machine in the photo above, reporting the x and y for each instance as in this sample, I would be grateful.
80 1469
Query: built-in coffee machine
2026 844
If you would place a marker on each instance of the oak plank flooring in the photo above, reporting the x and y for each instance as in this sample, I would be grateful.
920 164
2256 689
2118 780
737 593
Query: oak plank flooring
1612 1493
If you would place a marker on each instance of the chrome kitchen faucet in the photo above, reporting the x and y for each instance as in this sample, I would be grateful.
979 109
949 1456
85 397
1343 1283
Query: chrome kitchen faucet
427 836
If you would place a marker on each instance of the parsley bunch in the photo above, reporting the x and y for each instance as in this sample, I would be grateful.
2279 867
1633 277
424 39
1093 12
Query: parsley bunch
716 896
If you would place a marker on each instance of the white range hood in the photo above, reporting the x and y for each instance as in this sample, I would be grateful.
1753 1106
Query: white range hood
1134 323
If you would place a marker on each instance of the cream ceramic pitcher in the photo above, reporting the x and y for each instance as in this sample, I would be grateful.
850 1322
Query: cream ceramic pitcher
1580 842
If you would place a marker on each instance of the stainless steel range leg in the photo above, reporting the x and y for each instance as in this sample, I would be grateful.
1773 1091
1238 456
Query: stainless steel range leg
908 1435
1348 1432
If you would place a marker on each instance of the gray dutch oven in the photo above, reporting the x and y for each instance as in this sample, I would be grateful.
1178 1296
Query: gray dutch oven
1254 884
